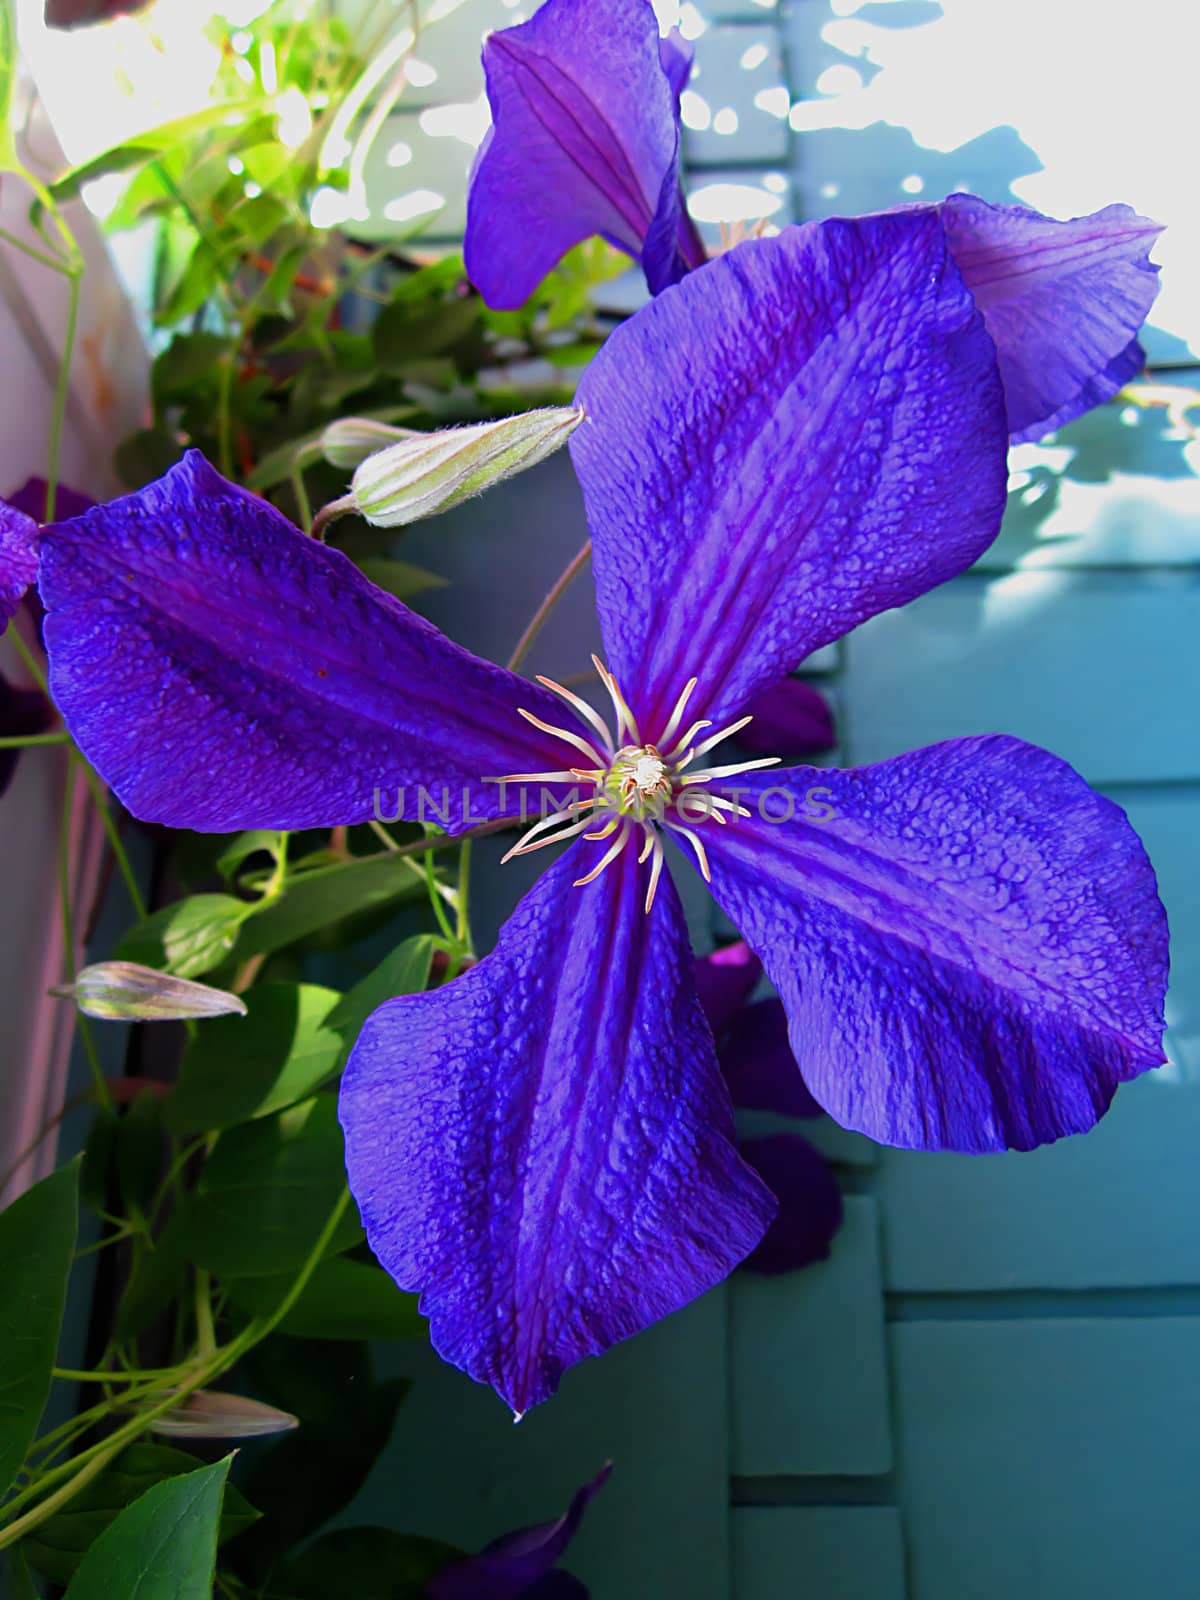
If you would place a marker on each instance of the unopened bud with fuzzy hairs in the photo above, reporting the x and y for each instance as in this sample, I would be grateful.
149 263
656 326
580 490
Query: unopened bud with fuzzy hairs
430 472
123 991
349 440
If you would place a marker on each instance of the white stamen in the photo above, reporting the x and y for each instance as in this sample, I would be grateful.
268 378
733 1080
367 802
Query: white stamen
694 840
524 844
563 733
609 856
729 772
716 738
681 745
655 871
676 716
582 709
626 722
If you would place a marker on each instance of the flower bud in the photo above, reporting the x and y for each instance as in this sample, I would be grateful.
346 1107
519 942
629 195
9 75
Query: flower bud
350 440
122 991
214 1414
431 472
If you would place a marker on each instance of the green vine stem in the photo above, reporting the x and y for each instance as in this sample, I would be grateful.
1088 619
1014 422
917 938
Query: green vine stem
184 1380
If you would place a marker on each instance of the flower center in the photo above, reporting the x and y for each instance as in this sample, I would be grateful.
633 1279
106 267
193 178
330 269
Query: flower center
635 787
639 782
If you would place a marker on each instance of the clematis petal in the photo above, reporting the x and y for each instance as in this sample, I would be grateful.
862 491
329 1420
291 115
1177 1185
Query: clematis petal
544 1148
584 141
1063 301
968 941
18 559
509 1566
725 980
759 1066
677 55
222 670
804 432
810 1203
791 718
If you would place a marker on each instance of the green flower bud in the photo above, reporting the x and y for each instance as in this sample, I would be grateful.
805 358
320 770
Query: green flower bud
214 1414
430 472
350 440
122 991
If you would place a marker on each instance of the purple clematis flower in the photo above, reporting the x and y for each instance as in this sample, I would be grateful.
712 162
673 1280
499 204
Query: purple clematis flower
967 940
584 140
522 1565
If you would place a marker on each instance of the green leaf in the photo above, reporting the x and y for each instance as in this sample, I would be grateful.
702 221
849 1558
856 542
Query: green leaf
278 1053
400 578
145 456
188 938
405 332
37 1241
162 1547
143 147
342 1300
368 1563
188 361
95 1169
267 1191
155 1282
404 971
313 900
139 1146
312 1474
57 1546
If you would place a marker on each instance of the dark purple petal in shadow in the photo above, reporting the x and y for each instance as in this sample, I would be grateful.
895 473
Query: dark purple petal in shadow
521 1564
18 559
971 949
810 1203
222 670
725 981
31 499
759 1066
544 1148
806 431
791 718
22 712
1063 301
584 137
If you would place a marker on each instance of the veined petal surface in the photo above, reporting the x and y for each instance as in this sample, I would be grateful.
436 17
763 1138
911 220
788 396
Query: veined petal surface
18 559
1063 300
971 950
583 139
544 1148
222 670
804 432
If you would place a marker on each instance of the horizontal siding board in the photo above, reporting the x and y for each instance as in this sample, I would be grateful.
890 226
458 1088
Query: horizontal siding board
817 1553
809 1363
738 75
1049 1459
1097 666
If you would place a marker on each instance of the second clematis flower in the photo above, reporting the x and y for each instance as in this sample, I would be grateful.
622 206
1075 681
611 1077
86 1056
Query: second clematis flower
585 101
968 940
